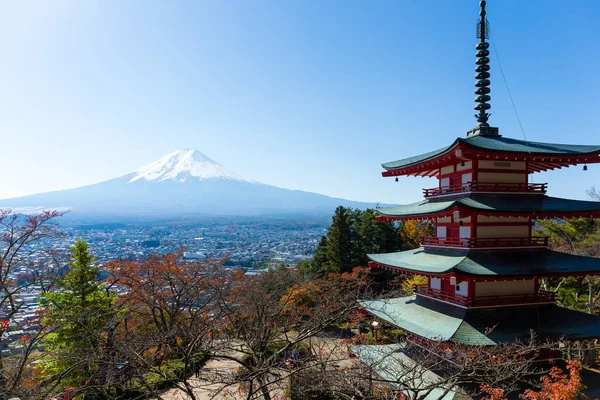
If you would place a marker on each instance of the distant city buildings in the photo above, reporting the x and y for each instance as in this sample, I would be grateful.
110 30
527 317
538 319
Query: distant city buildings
252 246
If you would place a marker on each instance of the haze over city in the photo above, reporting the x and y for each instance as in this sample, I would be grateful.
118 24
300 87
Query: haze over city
302 96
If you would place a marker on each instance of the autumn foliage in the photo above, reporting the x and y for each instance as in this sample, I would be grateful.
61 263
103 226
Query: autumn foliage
556 385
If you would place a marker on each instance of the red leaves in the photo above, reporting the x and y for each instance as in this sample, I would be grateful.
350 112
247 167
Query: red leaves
493 393
558 385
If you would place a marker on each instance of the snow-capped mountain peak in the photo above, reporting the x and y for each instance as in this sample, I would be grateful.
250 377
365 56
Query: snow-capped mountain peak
182 166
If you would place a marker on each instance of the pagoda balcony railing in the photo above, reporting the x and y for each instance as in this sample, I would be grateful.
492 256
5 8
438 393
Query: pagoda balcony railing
486 301
480 187
485 243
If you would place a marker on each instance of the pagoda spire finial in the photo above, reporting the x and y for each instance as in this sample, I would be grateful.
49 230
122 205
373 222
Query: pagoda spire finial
482 84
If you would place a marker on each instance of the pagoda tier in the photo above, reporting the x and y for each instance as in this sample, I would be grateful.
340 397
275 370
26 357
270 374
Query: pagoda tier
466 263
483 151
433 320
492 206
475 279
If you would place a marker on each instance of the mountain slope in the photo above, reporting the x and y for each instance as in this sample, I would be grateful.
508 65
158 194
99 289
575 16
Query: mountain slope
184 183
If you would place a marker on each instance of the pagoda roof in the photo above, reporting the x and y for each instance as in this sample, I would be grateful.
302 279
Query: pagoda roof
398 369
496 143
497 263
510 205
434 320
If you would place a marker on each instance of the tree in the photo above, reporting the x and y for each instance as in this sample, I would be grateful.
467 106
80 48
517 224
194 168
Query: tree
82 317
23 245
269 323
413 230
409 282
377 237
575 236
319 261
556 385
594 193
579 236
171 312
352 235
340 239
427 369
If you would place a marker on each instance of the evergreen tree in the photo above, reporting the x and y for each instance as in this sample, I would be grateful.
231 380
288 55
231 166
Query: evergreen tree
352 235
378 237
339 249
317 266
81 314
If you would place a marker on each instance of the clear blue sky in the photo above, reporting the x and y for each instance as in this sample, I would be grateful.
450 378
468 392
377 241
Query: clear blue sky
307 95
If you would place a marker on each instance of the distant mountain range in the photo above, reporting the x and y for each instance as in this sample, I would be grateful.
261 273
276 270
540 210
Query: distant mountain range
184 183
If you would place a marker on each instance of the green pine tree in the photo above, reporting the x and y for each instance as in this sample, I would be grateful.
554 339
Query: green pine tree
81 315
317 265
377 237
352 235
339 249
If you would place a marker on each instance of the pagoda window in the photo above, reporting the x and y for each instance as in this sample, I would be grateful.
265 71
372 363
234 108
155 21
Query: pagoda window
441 231
436 283
462 288
467 178
465 232
445 183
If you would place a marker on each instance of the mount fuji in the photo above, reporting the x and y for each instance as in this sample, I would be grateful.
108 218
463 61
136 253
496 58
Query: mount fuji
182 184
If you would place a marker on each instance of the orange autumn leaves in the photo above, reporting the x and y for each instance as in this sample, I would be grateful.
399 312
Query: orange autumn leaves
556 385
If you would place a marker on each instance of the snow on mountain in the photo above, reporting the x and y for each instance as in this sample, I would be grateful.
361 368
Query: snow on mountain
182 165
183 184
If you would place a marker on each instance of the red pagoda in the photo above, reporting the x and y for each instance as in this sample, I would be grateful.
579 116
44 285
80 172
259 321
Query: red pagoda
484 265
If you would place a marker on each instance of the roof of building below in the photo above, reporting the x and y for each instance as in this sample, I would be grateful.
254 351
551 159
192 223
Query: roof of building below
442 322
500 144
399 370
494 204
489 263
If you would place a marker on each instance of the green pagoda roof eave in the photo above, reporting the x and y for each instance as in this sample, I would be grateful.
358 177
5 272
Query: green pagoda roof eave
513 205
494 263
502 145
433 320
